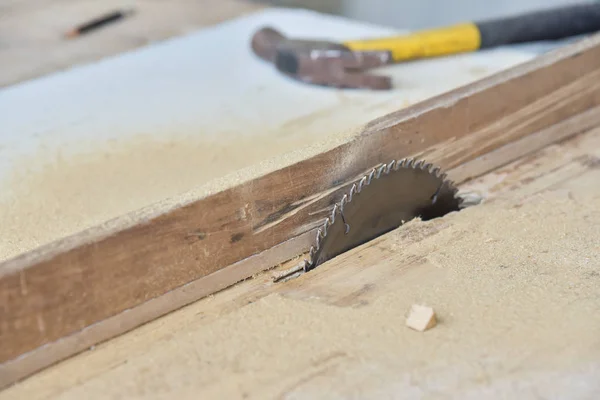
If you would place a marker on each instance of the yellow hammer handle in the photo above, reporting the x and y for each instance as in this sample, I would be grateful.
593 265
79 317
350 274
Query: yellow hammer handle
427 43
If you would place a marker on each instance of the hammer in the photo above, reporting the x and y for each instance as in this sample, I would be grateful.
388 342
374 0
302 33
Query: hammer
342 65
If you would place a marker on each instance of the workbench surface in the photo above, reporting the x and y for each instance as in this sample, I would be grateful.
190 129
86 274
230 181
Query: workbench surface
33 40
514 280
104 139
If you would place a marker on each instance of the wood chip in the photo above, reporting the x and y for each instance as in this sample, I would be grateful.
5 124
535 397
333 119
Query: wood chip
421 318
290 273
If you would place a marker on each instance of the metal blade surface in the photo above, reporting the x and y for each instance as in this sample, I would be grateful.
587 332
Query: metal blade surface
381 201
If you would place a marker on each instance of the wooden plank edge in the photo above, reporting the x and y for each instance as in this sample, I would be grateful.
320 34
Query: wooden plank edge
44 356
530 144
450 98
444 101
147 214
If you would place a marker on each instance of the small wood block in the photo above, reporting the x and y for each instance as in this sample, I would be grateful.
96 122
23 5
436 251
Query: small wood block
421 318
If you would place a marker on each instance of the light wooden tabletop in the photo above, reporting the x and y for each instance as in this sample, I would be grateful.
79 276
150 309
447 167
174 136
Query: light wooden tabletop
107 138
32 32
516 303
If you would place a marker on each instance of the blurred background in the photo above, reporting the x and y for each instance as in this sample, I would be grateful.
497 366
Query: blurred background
410 14
34 34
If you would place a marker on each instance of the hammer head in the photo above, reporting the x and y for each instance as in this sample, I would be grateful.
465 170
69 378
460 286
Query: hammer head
321 62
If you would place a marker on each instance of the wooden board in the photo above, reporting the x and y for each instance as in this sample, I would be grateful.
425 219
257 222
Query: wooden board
514 282
32 31
66 296
100 140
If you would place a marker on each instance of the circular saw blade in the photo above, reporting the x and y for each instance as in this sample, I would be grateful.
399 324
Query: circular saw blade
381 201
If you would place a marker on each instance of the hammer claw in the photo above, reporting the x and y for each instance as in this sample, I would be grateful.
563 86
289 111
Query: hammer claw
359 80
321 62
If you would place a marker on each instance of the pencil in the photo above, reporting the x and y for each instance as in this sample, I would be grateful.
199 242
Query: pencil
98 22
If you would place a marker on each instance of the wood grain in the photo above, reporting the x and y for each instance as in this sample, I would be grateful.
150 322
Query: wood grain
173 356
76 283
32 31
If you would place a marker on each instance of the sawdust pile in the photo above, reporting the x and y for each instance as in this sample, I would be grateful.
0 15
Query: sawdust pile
52 195
514 284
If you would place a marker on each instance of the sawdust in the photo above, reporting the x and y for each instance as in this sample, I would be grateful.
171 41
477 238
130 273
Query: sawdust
56 194
514 283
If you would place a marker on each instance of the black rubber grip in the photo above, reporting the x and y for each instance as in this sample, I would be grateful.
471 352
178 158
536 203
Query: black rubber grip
287 61
551 24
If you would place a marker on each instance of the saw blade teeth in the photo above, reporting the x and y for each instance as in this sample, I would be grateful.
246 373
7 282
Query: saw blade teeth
352 192
311 255
361 183
343 203
454 188
371 175
450 185
320 233
391 166
333 212
365 180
